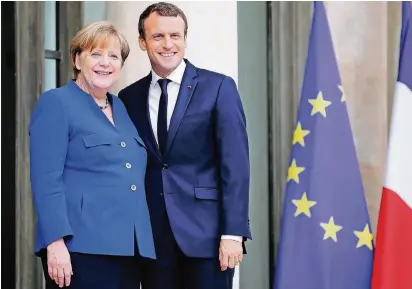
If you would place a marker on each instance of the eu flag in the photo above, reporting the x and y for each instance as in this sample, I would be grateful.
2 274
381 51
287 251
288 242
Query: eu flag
325 237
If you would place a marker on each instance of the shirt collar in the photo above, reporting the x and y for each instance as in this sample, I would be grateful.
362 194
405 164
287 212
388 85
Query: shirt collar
176 76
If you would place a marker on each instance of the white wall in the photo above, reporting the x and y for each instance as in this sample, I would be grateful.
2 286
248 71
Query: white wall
211 44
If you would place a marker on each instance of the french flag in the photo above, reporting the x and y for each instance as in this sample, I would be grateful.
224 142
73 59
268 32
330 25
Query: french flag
392 267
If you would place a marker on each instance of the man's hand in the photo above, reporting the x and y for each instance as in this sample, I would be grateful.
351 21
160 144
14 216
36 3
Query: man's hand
230 254
59 263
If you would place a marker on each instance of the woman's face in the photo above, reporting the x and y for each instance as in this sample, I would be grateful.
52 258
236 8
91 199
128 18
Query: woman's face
100 67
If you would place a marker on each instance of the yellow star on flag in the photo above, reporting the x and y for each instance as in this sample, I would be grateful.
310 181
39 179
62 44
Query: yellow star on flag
343 98
330 230
294 171
319 104
299 135
365 238
303 205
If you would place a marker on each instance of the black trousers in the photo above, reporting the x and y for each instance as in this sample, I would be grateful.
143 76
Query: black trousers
100 272
174 270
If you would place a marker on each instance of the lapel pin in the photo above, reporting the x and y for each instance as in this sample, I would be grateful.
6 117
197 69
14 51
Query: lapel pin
189 86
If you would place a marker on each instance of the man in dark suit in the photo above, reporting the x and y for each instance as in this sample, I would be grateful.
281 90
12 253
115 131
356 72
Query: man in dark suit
197 179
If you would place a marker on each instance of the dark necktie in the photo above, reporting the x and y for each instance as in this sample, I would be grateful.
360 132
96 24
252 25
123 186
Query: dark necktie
162 116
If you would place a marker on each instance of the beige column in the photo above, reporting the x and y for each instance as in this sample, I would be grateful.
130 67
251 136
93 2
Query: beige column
365 36
29 85
211 43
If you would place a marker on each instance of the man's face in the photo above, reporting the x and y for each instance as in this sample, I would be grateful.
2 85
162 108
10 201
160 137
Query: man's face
165 42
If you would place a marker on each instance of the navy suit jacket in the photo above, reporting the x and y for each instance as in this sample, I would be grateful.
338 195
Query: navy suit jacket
202 181
87 175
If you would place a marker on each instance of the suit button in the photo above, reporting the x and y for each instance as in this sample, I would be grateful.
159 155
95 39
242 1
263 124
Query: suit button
164 167
161 194
123 144
133 188
128 165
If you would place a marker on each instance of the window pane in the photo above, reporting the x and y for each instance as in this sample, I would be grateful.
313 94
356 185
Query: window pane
50 74
50 65
94 11
50 25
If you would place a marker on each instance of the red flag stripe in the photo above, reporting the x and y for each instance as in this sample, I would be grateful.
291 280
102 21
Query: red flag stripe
393 252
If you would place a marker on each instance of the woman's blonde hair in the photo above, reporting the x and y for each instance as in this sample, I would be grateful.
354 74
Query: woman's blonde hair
92 35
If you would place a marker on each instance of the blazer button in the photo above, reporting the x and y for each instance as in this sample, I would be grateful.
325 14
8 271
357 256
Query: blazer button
123 144
133 188
128 165
164 167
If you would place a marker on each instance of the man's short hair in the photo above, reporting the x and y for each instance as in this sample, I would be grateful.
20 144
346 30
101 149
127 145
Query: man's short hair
163 9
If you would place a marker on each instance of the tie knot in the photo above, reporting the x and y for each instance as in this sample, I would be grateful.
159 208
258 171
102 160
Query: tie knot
163 84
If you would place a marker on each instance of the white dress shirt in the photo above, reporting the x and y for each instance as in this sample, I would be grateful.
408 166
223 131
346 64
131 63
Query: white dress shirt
172 92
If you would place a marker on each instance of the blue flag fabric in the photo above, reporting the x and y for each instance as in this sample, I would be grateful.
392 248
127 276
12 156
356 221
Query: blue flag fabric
406 11
405 69
325 237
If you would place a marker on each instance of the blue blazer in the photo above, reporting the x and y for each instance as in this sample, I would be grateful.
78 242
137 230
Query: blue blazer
87 175
203 179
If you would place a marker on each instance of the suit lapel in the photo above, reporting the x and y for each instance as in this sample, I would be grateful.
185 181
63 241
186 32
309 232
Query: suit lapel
186 90
144 113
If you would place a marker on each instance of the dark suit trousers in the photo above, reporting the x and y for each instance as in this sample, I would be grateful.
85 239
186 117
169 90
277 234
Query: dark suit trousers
100 272
174 270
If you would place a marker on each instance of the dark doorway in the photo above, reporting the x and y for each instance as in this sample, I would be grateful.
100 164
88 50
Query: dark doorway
8 141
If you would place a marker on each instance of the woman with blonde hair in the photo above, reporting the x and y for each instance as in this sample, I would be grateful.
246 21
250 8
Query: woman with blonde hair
88 165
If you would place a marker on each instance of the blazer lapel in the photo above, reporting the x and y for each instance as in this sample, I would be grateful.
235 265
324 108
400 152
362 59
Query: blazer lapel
93 106
186 90
147 131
